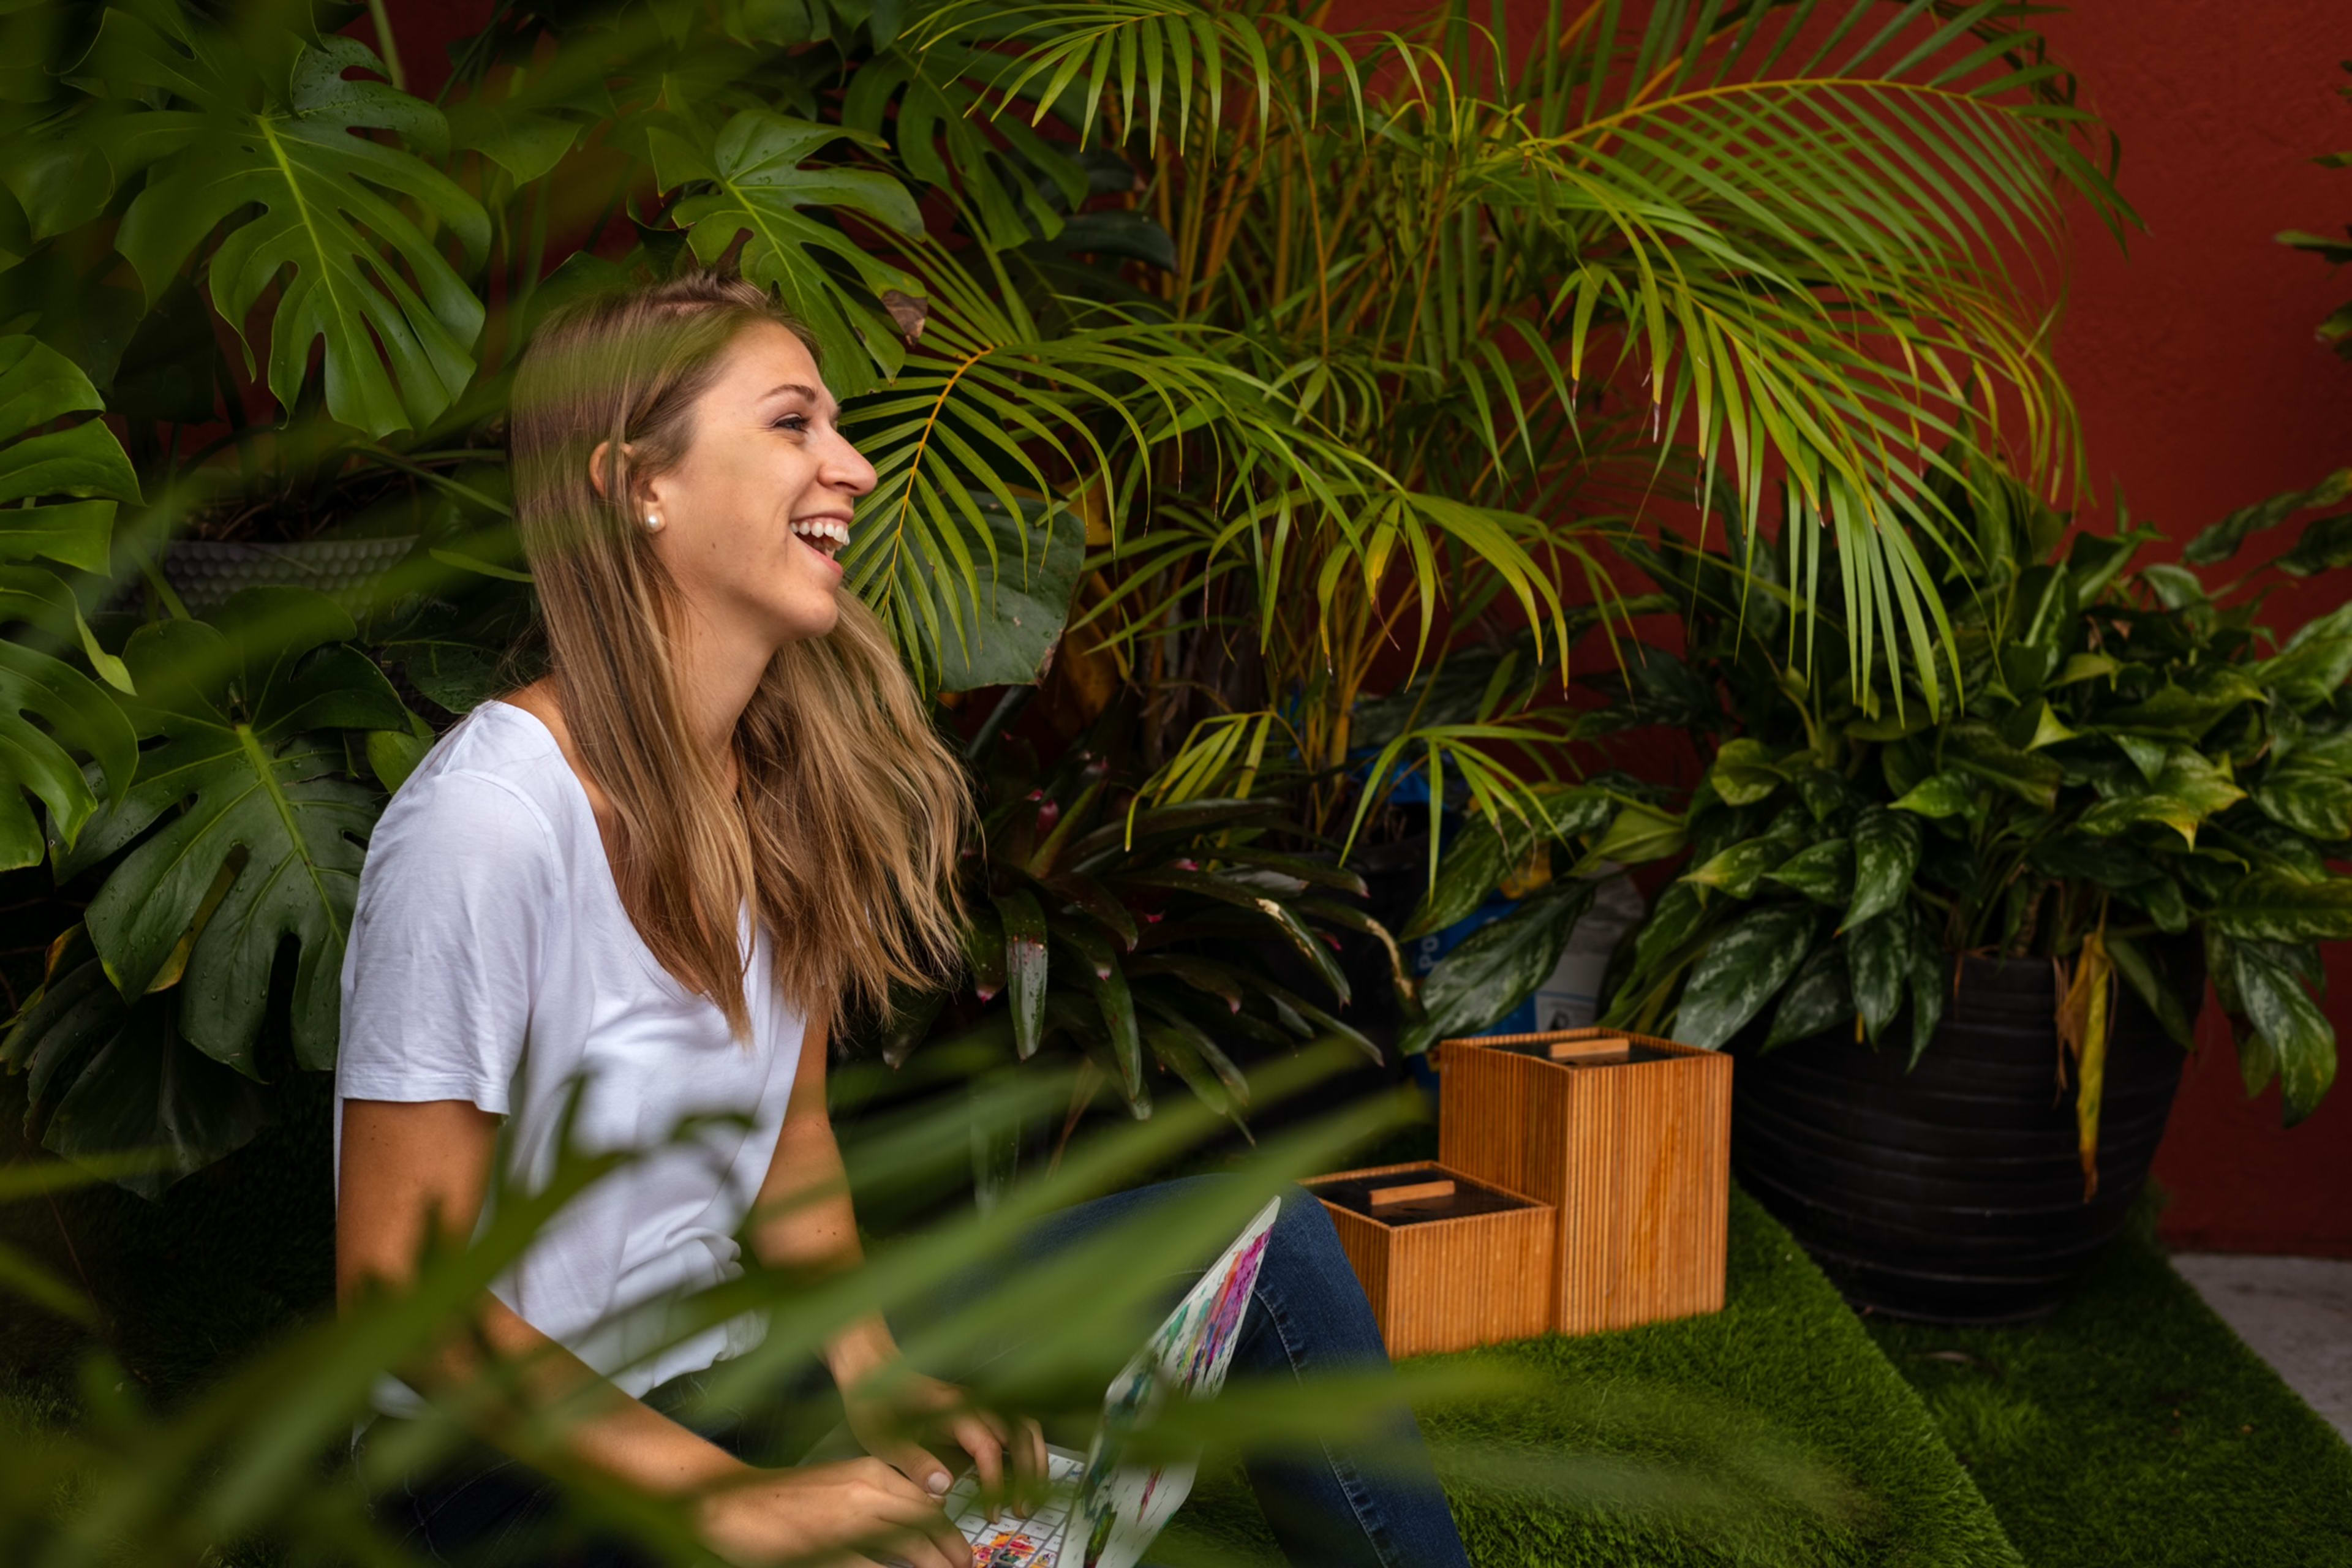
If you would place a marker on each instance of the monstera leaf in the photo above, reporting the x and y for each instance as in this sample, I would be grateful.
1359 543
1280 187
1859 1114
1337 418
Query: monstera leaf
938 128
268 138
51 715
261 835
756 181
118 1077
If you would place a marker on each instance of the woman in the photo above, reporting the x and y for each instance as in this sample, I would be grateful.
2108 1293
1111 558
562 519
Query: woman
643 889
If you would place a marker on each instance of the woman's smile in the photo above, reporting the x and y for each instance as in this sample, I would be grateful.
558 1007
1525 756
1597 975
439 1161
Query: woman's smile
826 534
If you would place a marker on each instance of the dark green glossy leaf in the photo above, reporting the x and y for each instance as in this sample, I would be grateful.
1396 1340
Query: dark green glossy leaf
2188 790
2161 900
1087 943
983 953
1737 869
2326 544
1940 795
1744 772
999 624
1084 892
2278 906
1977 749
1212 1054
912 1016
1637 834
1496 966
1677 914
2316 661
1348 917
1241 896
1025 966
277 150
257 838
1313 873
1473 866
2291 1025
756 178
1177 1053
2184 712
1826 795
1818 999
2315 800
2147 755
39 387
1824 873
1207 975
2219 541
123 1078
1117 1004
1878 956
1885 858
1741 971
1931 983
2139 972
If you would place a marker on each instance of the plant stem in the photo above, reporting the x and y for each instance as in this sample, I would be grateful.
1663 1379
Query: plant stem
387 46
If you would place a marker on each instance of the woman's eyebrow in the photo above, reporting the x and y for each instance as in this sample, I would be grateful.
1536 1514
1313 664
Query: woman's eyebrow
806 391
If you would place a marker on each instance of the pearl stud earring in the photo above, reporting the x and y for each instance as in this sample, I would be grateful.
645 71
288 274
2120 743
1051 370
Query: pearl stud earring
652 522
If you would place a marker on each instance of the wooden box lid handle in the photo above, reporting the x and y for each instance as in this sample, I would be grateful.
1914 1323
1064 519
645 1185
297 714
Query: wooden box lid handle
1411 1191
1594 1049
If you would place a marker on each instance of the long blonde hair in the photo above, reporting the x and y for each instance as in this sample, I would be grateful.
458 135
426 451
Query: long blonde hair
843 830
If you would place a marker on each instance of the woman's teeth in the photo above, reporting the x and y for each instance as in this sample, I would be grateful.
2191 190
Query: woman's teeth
823 534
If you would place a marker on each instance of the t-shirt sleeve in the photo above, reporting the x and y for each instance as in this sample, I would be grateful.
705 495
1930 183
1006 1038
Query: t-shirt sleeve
444 958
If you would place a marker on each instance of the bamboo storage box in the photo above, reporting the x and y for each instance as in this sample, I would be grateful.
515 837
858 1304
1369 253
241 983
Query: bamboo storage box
1629 1145
1448 1262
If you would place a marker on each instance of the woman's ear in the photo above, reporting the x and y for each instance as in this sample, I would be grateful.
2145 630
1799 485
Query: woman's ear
600 466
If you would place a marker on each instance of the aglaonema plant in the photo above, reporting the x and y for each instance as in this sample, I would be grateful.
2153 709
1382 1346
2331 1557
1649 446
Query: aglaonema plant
2137 766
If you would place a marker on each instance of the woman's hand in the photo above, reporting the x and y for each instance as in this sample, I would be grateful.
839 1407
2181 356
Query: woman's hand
1010 1459
855 1514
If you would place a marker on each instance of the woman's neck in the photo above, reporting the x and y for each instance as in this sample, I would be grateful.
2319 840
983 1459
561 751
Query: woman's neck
719 669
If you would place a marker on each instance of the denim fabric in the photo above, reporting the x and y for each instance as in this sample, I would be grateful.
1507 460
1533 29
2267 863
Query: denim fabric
1372 1502
1369 1503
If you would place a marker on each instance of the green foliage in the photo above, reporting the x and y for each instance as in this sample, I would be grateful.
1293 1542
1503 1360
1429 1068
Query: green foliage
1137 941
251 1459
266 119
2131 762
1274 348
2337 328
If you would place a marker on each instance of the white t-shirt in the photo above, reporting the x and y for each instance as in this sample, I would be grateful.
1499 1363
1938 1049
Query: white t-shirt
491 961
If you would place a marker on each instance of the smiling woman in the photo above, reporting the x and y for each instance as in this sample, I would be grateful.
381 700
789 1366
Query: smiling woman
670 446
618 913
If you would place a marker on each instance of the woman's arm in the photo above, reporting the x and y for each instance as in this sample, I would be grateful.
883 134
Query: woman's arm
803 1221
414 1170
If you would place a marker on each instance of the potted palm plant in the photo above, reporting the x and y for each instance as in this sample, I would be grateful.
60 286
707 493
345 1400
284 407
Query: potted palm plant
1912 917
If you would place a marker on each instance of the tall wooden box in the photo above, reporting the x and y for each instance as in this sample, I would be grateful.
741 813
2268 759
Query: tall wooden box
1444 1272
1633 1150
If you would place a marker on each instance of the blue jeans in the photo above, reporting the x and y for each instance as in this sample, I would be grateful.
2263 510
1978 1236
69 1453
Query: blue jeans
1370 1502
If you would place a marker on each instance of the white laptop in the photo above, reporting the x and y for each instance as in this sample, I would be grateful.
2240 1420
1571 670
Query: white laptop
1103 1513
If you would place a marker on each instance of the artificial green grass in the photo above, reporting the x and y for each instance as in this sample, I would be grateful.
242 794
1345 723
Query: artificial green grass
1772 1433
2134 1428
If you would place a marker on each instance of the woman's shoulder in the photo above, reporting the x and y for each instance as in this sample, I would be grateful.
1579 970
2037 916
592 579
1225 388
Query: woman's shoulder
492 785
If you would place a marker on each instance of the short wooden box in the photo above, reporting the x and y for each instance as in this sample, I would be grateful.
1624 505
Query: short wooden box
1443 1273
1632 1153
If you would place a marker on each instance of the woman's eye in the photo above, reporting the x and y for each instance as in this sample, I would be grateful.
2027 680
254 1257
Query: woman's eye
794 422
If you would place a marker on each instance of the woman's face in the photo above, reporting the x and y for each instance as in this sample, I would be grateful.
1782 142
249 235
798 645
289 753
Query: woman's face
757 512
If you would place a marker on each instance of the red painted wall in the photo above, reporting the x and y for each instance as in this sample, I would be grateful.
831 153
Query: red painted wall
2201 387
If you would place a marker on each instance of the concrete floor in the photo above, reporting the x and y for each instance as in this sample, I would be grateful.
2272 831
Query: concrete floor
2297 1314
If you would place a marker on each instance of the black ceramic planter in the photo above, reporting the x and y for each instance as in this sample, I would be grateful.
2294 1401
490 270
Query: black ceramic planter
1953 1193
